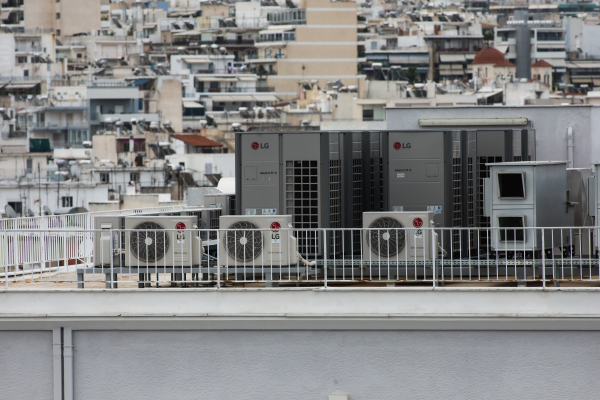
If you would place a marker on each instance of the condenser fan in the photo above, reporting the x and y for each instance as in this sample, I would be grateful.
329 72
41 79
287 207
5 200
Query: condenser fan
243 245
387 237
149 241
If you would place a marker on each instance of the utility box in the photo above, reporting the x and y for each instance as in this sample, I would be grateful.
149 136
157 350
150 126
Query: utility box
521 195
224 201
434 171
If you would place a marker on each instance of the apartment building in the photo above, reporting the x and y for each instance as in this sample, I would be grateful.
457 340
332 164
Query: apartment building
66 17
315 42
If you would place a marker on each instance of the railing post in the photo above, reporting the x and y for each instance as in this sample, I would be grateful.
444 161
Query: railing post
325 247
218 257
543 258
6 260
433 257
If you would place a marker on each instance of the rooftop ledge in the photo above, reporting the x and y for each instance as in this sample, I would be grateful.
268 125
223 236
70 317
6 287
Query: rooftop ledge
304 308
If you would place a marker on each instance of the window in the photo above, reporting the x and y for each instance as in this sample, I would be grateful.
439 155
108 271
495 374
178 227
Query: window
67 201
57 15
133 177
26 72
17 206
104 177
78 55
58 32
22 60
367 115
511 185
373 45
510 231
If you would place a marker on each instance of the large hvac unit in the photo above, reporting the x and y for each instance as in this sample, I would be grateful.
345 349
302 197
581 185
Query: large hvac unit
399 237
224 201
496 146
434 171
322 179
523 195
109 240
162 241
253 240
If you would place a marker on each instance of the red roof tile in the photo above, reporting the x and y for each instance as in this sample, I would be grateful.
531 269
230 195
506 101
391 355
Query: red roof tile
542 63
197 140
488 55
505 63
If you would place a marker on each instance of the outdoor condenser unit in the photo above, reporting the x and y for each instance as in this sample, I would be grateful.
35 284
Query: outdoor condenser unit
162 241
253 240
434 171
522 195
398 237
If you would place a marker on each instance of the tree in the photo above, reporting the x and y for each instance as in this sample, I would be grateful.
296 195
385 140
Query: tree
411 74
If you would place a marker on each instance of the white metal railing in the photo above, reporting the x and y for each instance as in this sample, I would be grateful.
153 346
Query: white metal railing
218 257
83 221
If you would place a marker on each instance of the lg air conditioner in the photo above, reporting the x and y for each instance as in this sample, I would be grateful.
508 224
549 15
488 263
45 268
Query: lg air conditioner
247 240
162 241
398 237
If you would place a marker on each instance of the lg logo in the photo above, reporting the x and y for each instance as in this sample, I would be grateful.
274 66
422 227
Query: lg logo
256 145
398 146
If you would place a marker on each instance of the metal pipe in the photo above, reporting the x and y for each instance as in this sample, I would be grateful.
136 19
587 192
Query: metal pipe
570 152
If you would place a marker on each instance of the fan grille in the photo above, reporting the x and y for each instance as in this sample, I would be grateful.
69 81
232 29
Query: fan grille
388 238
243 245
149 243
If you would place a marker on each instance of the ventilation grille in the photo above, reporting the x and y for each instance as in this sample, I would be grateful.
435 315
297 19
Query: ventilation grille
213 223
357 202
388 237
335 204
456 201
302 202
149 241
242 242
483 172
232 205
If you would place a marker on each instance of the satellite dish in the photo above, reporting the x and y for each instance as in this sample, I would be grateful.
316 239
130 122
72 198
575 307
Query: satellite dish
75 172
30 213
47 210
10 212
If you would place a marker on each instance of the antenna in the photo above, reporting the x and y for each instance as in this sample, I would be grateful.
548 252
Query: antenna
47 210
30 213
10 212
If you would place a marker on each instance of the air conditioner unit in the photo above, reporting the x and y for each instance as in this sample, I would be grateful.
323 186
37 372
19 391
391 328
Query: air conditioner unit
221 200
162 241
398 237
257 241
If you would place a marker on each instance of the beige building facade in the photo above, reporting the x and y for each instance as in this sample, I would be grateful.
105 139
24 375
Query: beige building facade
323 49
66 17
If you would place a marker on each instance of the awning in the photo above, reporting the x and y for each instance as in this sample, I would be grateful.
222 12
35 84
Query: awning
543 6
11 86
139 82
5 14
578 65
556 62
222 98
501 48
150 26
31 110
551 46
247 78
192 104
596 82
265 97
470 56
452 58
243 98
198 61
188 33
581 80
215 79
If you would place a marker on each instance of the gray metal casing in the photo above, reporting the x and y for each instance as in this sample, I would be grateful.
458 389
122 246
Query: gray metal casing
433 171
544 205
224 201
107 251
